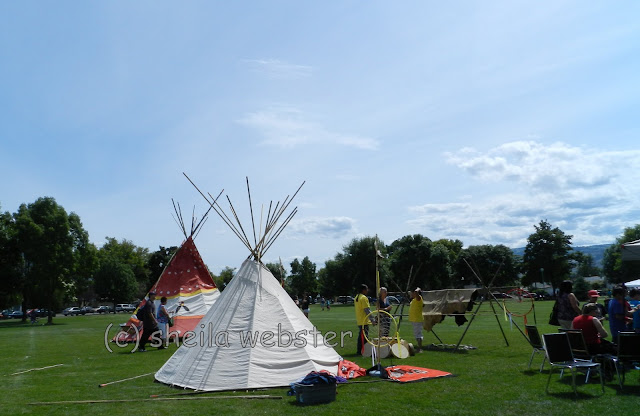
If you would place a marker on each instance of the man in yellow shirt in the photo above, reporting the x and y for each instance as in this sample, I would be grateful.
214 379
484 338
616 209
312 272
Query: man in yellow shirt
415 316
362 311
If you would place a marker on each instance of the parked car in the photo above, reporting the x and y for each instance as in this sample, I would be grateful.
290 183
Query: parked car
16 315
87 309
43 313
500 295
73 311
4 314
125 307
400 297
345 299
104 309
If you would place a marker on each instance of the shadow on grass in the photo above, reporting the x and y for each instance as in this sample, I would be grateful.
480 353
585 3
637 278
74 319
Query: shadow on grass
594 383
20 324
570 395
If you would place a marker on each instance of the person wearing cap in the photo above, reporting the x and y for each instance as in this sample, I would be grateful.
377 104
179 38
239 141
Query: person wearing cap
601 314
415 316
149 321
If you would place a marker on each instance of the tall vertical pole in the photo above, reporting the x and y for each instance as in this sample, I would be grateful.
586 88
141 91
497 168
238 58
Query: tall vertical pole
375 244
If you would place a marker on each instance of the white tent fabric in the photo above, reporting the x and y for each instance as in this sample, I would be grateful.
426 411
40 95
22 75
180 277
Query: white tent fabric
254 336
631 251
633 283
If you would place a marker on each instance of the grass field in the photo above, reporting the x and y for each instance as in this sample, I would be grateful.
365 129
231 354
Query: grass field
492 379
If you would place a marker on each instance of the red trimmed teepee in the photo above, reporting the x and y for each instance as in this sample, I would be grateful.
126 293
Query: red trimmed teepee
187 285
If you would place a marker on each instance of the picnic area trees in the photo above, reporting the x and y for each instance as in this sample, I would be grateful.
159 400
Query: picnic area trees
158 260
584 265
126 252
85 262
47 240
488 261
303 277
115 281
613 267
355 265
225 276
279 273
10 262
547 255
408 255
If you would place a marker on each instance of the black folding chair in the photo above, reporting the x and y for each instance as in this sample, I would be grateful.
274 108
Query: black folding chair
578 344
560 355
536 343
628 357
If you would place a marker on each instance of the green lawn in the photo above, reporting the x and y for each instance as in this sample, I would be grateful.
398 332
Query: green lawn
493 379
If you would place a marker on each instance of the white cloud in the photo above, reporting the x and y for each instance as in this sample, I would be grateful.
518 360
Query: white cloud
589 193
289 127
545 167
332 227
277 69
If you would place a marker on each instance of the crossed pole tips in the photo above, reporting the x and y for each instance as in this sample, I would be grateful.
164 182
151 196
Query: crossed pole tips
268 229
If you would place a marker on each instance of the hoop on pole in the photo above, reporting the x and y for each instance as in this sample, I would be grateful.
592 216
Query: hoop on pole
388 340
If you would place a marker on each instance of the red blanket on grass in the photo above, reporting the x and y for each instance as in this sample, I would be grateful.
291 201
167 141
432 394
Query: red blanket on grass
409 373
399 373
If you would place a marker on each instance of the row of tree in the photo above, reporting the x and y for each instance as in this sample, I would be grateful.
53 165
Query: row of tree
47 260
416 261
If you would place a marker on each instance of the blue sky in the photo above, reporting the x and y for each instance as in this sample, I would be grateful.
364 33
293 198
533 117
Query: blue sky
470 120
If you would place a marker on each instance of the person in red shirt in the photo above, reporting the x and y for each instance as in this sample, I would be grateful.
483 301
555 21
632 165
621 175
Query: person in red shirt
593 331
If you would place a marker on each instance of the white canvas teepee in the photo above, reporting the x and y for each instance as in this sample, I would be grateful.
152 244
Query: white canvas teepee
254 336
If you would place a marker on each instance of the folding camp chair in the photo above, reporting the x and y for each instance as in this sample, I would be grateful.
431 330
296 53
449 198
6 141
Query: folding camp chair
559 354
628 354
536 343
579 348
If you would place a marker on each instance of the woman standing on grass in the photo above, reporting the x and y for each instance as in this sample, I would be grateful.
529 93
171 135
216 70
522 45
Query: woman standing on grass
384 319
568 306
415 316
163 320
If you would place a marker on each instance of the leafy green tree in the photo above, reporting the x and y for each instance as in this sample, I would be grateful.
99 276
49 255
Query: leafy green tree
303 277
330 283
613 267
580 288
548 250
443 276
439 276
279 273
10 263
46 240
488 261
354 266
85 262
135 257
585 266
409 260
115 281
158 260
225 276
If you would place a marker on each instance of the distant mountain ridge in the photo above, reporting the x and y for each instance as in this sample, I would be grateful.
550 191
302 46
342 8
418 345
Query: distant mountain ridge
596 251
